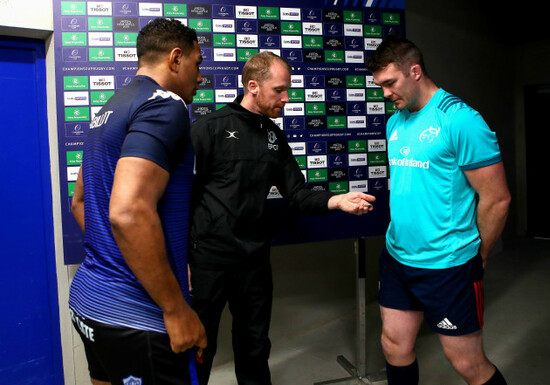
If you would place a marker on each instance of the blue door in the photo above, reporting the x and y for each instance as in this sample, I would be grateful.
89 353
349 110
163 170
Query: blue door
30 347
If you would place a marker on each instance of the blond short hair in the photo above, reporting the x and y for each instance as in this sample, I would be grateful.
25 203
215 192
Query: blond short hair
257 67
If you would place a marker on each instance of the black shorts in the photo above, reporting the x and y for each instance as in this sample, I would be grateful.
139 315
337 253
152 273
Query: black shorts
451 299
124 356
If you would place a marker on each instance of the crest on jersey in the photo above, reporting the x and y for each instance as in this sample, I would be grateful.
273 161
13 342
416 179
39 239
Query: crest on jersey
131 380
429 134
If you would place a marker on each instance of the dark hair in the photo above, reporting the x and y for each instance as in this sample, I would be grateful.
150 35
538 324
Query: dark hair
257 67
397 50
161 36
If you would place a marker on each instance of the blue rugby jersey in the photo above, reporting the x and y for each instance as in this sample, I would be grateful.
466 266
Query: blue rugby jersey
433 206
142 120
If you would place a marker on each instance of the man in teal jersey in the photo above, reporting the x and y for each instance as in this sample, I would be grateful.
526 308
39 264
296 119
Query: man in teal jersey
449 202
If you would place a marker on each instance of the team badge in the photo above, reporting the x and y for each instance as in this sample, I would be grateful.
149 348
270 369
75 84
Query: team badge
131 380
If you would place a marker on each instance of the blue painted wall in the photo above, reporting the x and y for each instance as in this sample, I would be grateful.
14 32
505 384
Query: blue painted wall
30 347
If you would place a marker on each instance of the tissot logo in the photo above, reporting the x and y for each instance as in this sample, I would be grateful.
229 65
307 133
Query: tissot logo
376 145
126 54
317 161
375 108
372 44
378 172
247 40
102 82
312 29
315 95
97 8
245 12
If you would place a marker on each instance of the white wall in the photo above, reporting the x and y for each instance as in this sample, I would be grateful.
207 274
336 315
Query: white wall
29 18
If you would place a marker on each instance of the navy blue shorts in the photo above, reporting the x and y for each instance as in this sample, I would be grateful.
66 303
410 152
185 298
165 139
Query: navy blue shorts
124 356
451 299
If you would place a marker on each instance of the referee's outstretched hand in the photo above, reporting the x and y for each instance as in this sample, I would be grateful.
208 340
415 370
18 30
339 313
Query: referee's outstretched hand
354 202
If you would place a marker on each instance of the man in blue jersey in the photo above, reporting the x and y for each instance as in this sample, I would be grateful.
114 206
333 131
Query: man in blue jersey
129 297
449 201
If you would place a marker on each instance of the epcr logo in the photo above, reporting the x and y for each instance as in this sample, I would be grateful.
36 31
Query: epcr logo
272 139
429 134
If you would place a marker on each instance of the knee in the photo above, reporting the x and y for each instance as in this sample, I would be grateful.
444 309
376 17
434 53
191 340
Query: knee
397 350
472 370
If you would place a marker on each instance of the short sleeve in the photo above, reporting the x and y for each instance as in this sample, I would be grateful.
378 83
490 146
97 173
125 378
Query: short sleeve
158 132
473 141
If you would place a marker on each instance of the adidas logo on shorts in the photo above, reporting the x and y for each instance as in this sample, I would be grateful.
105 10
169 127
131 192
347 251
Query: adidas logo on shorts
446 324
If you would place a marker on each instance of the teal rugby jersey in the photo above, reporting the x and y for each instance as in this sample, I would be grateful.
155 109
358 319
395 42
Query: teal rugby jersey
433 206
141 120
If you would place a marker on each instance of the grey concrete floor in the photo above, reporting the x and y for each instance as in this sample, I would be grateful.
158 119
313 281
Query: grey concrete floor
308 333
